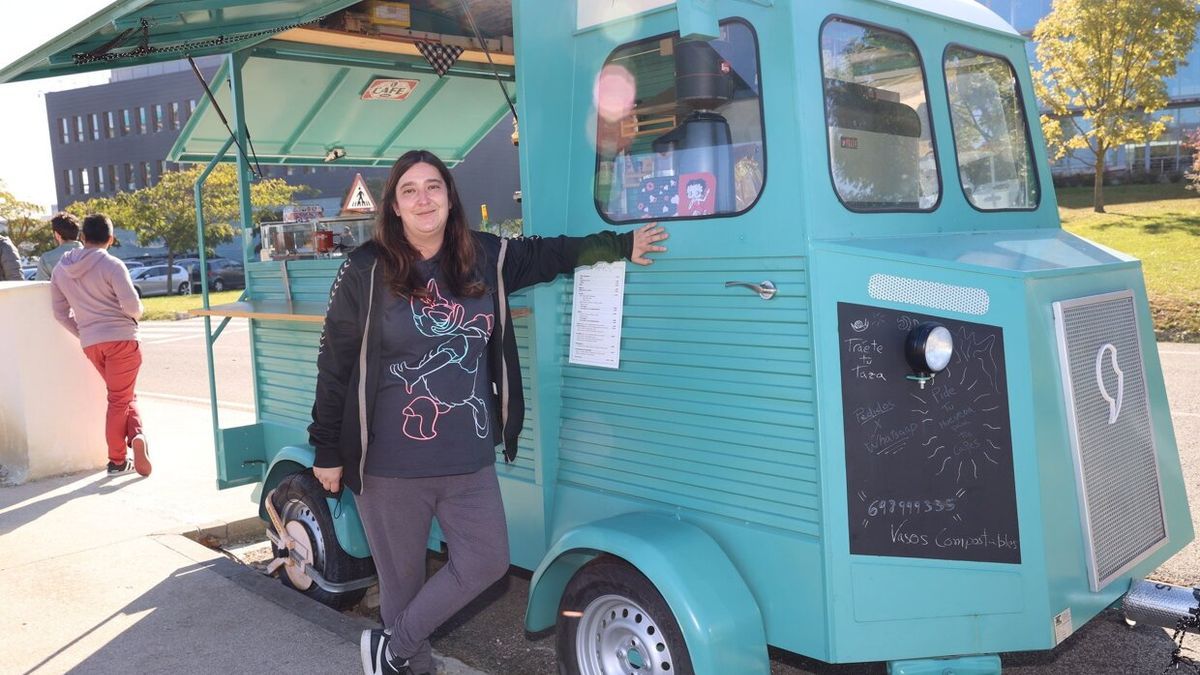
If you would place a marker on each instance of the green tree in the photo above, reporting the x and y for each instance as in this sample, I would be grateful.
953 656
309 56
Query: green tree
164 214
29 234
1103 70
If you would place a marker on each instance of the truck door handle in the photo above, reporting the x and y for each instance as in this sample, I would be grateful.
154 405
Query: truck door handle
766 290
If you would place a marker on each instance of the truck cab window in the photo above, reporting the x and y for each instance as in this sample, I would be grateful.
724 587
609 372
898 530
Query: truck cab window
679 130
881 146
991 137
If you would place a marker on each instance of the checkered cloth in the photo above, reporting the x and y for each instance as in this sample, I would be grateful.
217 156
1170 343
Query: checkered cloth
440 56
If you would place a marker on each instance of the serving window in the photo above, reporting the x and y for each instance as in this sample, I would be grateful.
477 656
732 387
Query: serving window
881 145
991 136
679 130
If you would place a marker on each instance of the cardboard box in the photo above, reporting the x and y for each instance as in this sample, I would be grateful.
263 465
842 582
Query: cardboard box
387 13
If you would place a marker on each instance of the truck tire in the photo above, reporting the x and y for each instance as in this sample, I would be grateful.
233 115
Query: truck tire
300 502
612 621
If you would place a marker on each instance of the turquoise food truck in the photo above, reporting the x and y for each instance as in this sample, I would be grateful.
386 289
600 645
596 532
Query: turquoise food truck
875 405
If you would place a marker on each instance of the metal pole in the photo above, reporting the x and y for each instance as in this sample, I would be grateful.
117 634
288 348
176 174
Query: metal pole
208 336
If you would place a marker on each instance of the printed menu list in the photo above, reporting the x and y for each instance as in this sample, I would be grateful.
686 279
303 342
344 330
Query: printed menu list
596 318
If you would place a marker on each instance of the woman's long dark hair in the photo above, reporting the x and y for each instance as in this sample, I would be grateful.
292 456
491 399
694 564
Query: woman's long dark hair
399 257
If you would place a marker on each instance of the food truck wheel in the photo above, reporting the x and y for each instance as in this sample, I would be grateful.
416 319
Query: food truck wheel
300 501
612 621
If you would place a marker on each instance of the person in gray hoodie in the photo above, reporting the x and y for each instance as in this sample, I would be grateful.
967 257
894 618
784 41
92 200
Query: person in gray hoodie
10 261
95 300
66 233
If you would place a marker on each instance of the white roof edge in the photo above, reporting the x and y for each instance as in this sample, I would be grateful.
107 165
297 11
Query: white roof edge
967 11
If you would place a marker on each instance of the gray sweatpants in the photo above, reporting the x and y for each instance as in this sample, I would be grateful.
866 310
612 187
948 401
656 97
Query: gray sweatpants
397 514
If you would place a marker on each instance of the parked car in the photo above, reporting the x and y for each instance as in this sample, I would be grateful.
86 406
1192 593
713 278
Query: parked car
28 273
223 273
152 280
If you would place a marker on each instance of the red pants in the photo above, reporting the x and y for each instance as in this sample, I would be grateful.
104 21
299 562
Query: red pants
118 363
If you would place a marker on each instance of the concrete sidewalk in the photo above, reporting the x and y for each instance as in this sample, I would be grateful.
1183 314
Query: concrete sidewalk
96 575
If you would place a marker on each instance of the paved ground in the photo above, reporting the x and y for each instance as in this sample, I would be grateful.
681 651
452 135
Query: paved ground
97 577
103 582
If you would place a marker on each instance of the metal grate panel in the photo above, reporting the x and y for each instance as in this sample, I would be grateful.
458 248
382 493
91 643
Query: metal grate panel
932 294
1111 435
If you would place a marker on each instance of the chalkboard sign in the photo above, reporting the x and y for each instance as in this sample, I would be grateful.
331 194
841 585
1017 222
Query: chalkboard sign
929 471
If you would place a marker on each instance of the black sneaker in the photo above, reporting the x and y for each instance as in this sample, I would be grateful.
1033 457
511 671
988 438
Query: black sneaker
372 647
115 469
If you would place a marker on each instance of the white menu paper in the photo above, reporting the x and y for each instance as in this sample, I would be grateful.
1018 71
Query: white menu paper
596 318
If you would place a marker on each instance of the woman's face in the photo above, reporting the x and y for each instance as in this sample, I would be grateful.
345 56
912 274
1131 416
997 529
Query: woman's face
423 204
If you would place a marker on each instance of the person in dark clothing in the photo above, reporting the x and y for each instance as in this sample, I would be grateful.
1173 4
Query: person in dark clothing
418 382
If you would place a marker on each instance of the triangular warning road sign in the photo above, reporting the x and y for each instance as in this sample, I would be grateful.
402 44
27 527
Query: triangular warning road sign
359 198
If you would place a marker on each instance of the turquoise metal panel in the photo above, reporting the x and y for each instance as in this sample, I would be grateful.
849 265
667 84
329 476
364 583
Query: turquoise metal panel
240 456
718 616
719 420
171 23
964 665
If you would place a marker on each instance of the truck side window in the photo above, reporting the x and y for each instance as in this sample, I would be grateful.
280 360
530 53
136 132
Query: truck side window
679 131
991 137
881 149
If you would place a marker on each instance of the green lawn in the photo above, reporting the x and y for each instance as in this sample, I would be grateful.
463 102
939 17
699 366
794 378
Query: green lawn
1160 225
167 306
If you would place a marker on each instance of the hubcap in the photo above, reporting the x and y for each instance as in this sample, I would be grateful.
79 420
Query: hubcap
617 637
301 526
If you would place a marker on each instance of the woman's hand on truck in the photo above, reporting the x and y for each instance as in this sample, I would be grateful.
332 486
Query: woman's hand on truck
644 239
330 478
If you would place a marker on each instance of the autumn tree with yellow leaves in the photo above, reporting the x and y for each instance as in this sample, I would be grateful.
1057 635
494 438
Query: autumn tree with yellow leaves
1103 69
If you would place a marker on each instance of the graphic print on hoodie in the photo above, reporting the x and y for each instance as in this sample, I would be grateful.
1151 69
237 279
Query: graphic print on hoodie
433 412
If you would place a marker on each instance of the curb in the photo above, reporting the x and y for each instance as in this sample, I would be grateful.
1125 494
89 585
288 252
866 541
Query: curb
225 530
347 627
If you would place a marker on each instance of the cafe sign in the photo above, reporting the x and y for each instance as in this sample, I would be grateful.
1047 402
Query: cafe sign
388 89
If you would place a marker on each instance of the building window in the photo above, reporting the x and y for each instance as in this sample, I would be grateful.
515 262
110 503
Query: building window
679 127
291 171
79 136
142 119
881 150
162 168
159 123
126 122
110 124
191 106
69 180
114 178
95 126
84 182
146 174
101 184
130 179
64 129
175 119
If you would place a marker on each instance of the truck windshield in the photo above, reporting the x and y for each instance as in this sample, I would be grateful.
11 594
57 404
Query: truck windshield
995 162
881 147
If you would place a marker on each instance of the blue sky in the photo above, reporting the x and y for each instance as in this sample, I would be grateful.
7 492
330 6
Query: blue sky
25 166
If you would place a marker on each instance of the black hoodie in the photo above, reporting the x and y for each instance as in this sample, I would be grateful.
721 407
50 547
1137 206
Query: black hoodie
350 341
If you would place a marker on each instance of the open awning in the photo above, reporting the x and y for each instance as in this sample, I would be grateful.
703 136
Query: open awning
311 92
306 101
138 32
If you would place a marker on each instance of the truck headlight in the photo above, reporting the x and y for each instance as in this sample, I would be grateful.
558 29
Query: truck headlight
928 348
